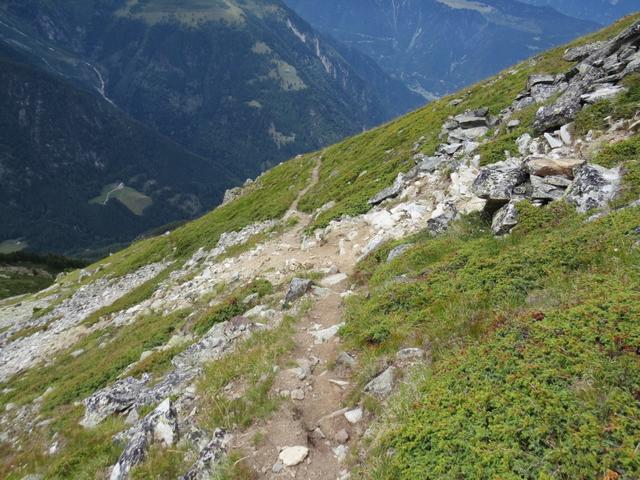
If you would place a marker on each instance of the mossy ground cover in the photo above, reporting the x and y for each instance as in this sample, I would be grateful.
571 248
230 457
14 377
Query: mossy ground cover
535 340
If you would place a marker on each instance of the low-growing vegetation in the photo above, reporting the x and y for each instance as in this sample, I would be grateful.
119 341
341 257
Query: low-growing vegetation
535 348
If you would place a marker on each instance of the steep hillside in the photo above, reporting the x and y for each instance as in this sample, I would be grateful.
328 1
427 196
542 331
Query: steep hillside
439 46
76 172
284 89
598 11
451 295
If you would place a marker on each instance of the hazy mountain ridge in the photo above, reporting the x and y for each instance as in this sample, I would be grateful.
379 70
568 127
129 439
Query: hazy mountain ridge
438 46
598 11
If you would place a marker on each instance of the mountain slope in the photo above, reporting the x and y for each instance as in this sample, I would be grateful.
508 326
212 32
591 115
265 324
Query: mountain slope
63 150
283 88
598 11
360 311
439 46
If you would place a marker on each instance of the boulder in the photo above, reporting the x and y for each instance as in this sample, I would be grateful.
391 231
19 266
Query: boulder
382 385
547 166
498 181
505 218
523 143
297 288
593 187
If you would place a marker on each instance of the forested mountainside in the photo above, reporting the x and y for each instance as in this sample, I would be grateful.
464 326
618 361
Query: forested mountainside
454 294
439 46
77 172
598 11
244 83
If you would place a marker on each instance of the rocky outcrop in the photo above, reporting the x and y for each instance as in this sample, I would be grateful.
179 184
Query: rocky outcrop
160 426
117 398
595 78
209 456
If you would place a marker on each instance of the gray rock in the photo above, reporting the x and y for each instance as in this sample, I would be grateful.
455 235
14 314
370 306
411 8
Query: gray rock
390 192
159 426
593 187
429 164
538 79
523 143
398 251
468 121
513 124
117 398
451 148
553 141
345 360
543 92
209 456
543 190
439 223
292 456
498 181
297 288
505 218
578 54
383 384
354 416
410 354
603 93
565 134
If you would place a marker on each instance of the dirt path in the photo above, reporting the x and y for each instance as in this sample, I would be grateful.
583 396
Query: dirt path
313 390
315 177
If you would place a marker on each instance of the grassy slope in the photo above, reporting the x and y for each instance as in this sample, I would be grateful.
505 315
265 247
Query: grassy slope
465 286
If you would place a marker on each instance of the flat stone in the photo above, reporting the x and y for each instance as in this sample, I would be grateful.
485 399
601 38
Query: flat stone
513 124
326 334
333 280
540 79
541 190
407 354
292 456
605 93
546 166
553 141
565 134
354 416
470 121
498 181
